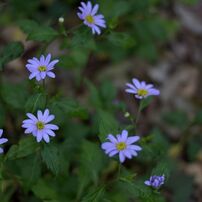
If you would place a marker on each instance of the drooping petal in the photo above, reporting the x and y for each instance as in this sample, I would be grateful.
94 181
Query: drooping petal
1 150
114 152
46 138
39 136
50 132
127 153
1 132
121 157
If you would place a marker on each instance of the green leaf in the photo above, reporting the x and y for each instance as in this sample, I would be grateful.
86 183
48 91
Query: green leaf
71 107
182 186
163 167
198 117
94 196
50 156
38 32
11 52
107 124
194 146
15 95
92 161
156 149
25 147
122 40
177 118
35 102
43 33
28 25
95 98
145 102
45 191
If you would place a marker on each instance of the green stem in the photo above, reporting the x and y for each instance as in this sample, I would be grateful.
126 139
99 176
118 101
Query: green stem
44 91
65 33
138 113
119 171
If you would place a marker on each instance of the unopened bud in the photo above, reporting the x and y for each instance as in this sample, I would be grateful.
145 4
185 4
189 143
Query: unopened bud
61 20
127 114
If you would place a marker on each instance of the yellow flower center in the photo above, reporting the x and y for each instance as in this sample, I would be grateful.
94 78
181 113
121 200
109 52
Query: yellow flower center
142 92
121 146
40 125
90 19
42 68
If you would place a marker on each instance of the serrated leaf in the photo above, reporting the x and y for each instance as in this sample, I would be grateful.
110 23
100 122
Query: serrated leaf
25 147
11 52
107 124
94 95
91 163
15 95
43 33
94 196
35 102
145 102
50 156
37 32
44 191
71 107
28 25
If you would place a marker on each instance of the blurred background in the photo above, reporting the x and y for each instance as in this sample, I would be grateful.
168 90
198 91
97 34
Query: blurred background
159 41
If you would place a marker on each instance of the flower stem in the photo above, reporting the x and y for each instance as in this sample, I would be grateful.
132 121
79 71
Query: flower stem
119 171
66 32
44 91
138 113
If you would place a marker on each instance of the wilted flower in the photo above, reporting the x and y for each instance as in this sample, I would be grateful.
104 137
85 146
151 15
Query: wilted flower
39 126
88 15
2 141
40 68
155 181
122 145
141 89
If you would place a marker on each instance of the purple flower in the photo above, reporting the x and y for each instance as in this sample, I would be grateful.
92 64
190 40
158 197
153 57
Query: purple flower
122 145
2 141
39 126
40 68
141 89
155 181
88 15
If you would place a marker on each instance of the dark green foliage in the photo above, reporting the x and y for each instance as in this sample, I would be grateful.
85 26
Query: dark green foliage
14 95
50 155
37 32
25 147
11 52
88 100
